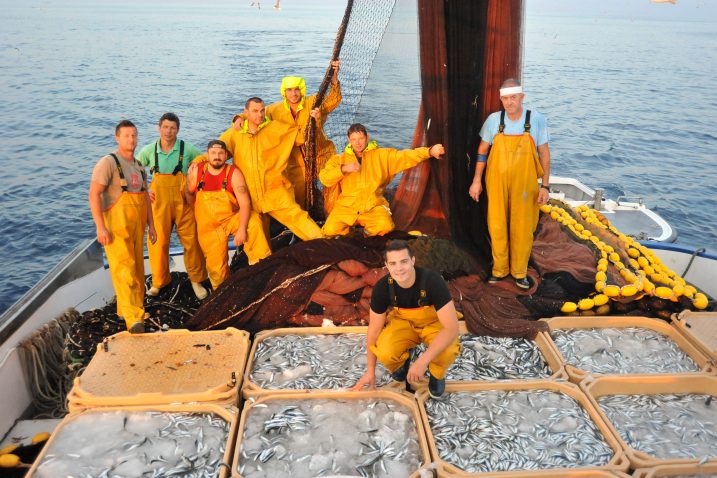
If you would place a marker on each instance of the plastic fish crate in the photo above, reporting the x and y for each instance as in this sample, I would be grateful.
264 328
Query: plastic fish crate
676 470
177 366
400 398
617 465
544 345
596 387
229 415
700 329
577 375
252 390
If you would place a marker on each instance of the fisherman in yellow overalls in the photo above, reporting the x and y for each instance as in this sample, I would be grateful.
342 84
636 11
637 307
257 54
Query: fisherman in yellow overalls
171 205
223 208
261 150
514 195
362 172
422 311
296 109
121 211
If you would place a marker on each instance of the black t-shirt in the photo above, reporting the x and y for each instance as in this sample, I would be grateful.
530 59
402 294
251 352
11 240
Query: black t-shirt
436 289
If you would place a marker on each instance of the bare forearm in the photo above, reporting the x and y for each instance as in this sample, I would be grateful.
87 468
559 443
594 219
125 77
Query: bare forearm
544 156
374 329
96 209
150 217
478 175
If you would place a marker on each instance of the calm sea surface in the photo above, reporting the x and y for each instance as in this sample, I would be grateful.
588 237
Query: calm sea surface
632 104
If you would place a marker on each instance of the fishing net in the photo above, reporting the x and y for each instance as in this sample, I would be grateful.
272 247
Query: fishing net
42 357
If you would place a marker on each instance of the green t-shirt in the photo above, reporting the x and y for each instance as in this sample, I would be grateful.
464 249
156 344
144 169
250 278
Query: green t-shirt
167 162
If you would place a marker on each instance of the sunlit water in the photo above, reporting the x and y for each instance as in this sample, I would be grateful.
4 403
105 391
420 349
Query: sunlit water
631 104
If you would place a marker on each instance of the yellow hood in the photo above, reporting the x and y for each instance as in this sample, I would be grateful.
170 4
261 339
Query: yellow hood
293 82
245 124
371 145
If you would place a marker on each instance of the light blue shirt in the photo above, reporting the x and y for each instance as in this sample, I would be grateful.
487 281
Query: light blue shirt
538 127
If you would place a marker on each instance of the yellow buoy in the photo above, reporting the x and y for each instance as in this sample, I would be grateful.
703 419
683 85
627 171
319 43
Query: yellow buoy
569 307
8 449
600 276
600 299
614 257
700 301
632 252
9 461
40 437
648 286
663 292
546 208
628 290
611 290
599 285
415 233
678 289
586 304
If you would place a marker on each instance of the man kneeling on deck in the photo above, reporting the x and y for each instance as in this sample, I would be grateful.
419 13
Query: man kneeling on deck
223 208
363 171
421 311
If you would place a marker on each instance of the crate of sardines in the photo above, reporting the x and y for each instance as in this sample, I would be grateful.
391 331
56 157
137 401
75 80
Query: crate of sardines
177 366
334 358
377 434
659 419
537 428
484 358
700 328
706 470
315 359
163 440
622 346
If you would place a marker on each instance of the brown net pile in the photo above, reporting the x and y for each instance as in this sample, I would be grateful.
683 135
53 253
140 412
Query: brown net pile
309 282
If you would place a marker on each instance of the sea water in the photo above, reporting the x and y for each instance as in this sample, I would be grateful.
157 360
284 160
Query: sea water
631 102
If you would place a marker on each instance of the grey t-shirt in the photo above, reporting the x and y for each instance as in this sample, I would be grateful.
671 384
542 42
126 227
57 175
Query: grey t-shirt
106 174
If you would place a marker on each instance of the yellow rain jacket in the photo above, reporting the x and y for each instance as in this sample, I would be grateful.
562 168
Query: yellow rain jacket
126 220
262 158
217 214
361 198
512 189
281 111
168 209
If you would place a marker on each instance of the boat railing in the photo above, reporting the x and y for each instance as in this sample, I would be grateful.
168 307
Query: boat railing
85 258
634 201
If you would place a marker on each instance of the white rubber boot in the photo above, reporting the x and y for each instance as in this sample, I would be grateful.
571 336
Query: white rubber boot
199 290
